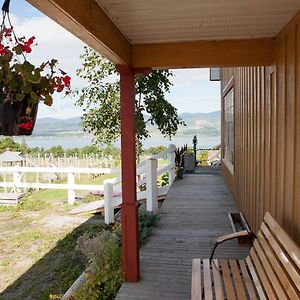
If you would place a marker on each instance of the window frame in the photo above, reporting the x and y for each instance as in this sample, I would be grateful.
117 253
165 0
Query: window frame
230 87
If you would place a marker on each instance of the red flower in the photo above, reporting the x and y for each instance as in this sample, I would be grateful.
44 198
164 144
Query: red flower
26 124
26 46
30 41
3 50
60 88
67 80
7 31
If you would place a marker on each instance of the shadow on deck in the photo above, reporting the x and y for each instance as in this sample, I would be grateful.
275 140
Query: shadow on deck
194 214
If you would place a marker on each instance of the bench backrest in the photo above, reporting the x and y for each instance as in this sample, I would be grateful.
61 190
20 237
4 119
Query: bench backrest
276 260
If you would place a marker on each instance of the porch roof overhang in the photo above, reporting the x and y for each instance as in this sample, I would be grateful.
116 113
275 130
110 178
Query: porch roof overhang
176 33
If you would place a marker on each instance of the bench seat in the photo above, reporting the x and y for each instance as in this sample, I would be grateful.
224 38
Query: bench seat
270 271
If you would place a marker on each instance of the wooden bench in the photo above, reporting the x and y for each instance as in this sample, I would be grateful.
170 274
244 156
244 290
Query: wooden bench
270 271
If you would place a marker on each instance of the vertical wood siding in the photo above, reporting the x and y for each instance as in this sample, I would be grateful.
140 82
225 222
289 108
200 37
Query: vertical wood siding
267 135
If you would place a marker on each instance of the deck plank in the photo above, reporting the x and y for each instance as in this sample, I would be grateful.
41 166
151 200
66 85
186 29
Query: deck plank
192 217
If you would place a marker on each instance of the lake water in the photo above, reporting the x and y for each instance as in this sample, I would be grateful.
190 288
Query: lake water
72 142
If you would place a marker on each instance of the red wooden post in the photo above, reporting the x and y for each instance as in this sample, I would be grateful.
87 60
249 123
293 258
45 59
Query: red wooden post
130 241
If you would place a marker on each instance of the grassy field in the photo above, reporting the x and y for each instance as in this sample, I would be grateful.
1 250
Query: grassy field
38 257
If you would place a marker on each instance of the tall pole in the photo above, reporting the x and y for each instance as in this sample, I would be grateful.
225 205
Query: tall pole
129 212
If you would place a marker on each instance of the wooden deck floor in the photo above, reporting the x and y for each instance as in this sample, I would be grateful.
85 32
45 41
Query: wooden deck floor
194 214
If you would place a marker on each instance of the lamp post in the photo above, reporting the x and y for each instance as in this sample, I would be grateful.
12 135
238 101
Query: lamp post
195 141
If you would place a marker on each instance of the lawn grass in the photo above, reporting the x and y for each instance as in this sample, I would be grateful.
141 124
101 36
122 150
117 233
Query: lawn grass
38 238
54 272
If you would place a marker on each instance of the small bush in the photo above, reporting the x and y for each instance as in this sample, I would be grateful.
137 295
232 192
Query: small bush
104 273
103 254
202 158
146 221
165 179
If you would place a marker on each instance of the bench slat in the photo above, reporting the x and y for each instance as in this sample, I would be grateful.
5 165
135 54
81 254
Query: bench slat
256 281
269 271
262 275
239 287
295 276
217 280
196 279
227 280
281 274
207 280
248 281
286 242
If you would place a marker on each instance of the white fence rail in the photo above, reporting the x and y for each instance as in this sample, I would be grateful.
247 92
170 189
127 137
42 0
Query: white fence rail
16 184
147 174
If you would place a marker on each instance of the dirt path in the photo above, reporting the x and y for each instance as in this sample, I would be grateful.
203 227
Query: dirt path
29 237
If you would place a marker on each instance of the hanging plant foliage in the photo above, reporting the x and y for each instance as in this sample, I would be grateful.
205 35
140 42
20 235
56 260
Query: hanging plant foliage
22 85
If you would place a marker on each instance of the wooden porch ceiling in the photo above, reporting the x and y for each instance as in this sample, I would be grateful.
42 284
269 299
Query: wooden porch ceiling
164 34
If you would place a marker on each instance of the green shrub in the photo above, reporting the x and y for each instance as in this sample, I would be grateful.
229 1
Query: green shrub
103 254
104 273
146 221
165 179
202 158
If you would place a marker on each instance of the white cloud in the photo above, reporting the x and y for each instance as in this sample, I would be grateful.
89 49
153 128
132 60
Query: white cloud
186 77
53 42
197 103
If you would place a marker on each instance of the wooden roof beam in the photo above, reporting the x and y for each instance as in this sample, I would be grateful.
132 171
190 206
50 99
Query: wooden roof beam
226 53
86 20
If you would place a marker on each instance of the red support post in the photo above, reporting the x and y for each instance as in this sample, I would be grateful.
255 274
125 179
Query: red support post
130 240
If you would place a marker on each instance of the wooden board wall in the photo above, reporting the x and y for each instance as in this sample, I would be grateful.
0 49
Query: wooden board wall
267 135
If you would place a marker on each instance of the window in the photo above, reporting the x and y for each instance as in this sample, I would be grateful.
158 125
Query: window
228 133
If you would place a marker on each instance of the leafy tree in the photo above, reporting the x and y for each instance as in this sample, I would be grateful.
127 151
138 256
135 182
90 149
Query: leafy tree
8 143
154 150
57 151
101 101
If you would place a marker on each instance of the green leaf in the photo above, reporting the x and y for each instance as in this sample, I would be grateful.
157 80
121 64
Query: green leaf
48 100
20 97
26 89
18 50
34 76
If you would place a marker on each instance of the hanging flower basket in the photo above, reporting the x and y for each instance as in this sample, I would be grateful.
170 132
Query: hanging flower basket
22 85
15 119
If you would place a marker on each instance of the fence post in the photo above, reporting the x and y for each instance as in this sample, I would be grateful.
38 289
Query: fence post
108 202
171 159
71 192
151 185
4 179
17 181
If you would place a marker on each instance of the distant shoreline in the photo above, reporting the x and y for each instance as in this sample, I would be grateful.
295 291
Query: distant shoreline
75 142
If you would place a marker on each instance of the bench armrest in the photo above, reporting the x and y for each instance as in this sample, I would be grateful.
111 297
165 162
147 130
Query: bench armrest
231 236
228 237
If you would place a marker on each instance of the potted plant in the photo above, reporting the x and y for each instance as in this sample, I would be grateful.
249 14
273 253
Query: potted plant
22 85
179 163
189 160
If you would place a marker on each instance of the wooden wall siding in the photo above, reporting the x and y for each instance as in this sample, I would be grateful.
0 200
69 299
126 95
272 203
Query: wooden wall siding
267 135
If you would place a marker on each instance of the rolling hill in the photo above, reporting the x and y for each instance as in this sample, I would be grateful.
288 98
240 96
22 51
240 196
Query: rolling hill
206 124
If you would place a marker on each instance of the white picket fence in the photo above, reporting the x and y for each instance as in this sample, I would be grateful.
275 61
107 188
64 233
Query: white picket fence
148 171
19 183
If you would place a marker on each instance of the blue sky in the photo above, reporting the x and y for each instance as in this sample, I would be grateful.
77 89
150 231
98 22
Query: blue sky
192 91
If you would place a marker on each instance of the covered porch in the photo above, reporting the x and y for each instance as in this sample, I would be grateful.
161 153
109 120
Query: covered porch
257 36
191 218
